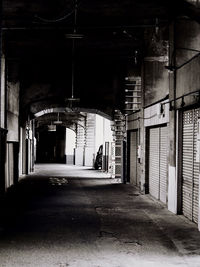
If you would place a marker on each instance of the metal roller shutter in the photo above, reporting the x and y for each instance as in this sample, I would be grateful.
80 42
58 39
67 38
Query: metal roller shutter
154 158
163 163
195 172
190 169
158 143
133 158
118 160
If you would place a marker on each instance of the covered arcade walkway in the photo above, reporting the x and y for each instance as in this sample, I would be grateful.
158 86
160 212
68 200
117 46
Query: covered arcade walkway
74 216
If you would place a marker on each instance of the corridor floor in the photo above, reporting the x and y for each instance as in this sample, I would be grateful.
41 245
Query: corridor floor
72 216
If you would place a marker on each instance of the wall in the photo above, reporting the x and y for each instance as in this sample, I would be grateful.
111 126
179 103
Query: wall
99 132
107 153
2 94
188 78
133 121
155 80
3 132
156 114
155 88
151 116
12 108
12 122
80 145
184 35
90 139
70 146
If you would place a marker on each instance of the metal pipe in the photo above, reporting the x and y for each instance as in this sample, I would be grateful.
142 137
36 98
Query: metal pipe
81 27
73 48
73 66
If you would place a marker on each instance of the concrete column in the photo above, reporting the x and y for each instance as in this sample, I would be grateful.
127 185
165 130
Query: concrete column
80 145
33 146
29 147
3 133
12 123
24 154
173 181
90 140
70 146
2 93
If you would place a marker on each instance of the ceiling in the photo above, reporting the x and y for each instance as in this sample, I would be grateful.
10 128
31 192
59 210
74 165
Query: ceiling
35 35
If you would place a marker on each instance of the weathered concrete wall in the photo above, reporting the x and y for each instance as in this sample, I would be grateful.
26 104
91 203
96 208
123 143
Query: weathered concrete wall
2 94
133 121
70 146
155 87
188 78
156 114
9 170
12 123
155 77
183 80
196 2
155 81
13 111
80 145
2 123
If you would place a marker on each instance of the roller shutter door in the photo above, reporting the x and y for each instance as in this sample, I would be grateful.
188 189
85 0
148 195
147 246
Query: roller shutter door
163 163
158 143
190 169
133 159
154 157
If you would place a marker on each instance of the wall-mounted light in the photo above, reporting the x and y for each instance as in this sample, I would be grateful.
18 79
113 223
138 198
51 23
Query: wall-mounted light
171 68
182 102
170 102
157 26
171 107
136 57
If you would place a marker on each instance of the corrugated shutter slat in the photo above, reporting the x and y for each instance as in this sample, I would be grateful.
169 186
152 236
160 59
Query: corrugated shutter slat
190 169
133 158
154 162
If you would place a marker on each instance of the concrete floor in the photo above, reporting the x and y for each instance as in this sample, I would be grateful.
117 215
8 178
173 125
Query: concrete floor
54 218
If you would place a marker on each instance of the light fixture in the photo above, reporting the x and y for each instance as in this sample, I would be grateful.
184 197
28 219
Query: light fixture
157 26
58 122
51 128
171 107
182 102
73 36
171 68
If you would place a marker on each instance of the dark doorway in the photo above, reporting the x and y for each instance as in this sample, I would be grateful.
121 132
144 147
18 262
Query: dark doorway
51 146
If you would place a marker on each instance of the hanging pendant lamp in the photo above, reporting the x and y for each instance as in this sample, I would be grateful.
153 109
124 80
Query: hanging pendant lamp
74 36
